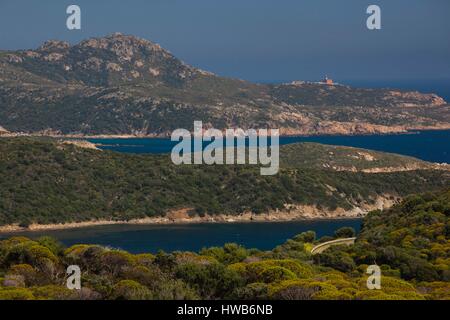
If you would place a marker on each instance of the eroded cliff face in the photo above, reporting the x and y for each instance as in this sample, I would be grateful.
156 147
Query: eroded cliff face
415 98
342 128
182 216
290 212
80 143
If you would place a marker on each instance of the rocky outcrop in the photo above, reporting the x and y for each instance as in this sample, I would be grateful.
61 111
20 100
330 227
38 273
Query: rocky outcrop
416 98
341 128
81 144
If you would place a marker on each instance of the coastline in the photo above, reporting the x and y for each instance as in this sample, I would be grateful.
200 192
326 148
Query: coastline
284 132
12 229
180 217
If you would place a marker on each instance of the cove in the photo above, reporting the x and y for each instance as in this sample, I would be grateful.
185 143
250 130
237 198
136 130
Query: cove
192 237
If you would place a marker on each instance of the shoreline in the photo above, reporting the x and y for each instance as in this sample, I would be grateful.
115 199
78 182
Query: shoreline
394 131
180 217
14 229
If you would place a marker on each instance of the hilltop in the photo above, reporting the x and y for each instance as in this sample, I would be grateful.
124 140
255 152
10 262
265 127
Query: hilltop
48 181
340 158
124 85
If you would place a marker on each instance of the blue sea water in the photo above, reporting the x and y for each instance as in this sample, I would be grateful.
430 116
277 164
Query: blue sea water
426 145
193 237
441 87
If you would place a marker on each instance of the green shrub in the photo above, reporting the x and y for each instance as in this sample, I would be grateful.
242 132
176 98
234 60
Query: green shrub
130 290
15 294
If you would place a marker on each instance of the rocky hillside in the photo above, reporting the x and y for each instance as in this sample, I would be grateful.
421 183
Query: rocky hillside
121 84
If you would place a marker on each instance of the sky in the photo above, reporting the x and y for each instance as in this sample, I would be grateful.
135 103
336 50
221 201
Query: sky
257 40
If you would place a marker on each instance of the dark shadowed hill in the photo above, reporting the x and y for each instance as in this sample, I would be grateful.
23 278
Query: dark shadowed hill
50 181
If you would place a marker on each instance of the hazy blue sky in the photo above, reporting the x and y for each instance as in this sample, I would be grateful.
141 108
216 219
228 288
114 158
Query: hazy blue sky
259 40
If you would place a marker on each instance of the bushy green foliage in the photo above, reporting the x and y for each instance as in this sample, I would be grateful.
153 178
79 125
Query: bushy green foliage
16 294
230 253
336 259
130 290
308 236
410 247
275 274
53 292
345 232
210 280
412 240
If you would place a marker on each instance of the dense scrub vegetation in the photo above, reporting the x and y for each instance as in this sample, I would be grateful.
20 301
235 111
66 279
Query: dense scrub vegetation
125 85
410 243
45 181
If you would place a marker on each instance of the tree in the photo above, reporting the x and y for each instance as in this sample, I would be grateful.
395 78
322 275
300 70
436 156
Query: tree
275 274
26 271
252 291
345 232
52 244
308 236
15 294
130 290
211 280
336 259
230 253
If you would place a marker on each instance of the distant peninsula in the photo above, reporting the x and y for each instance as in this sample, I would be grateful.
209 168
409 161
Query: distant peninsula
50 183
121 85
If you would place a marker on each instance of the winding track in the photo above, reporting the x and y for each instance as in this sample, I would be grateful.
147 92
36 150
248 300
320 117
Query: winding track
324 246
